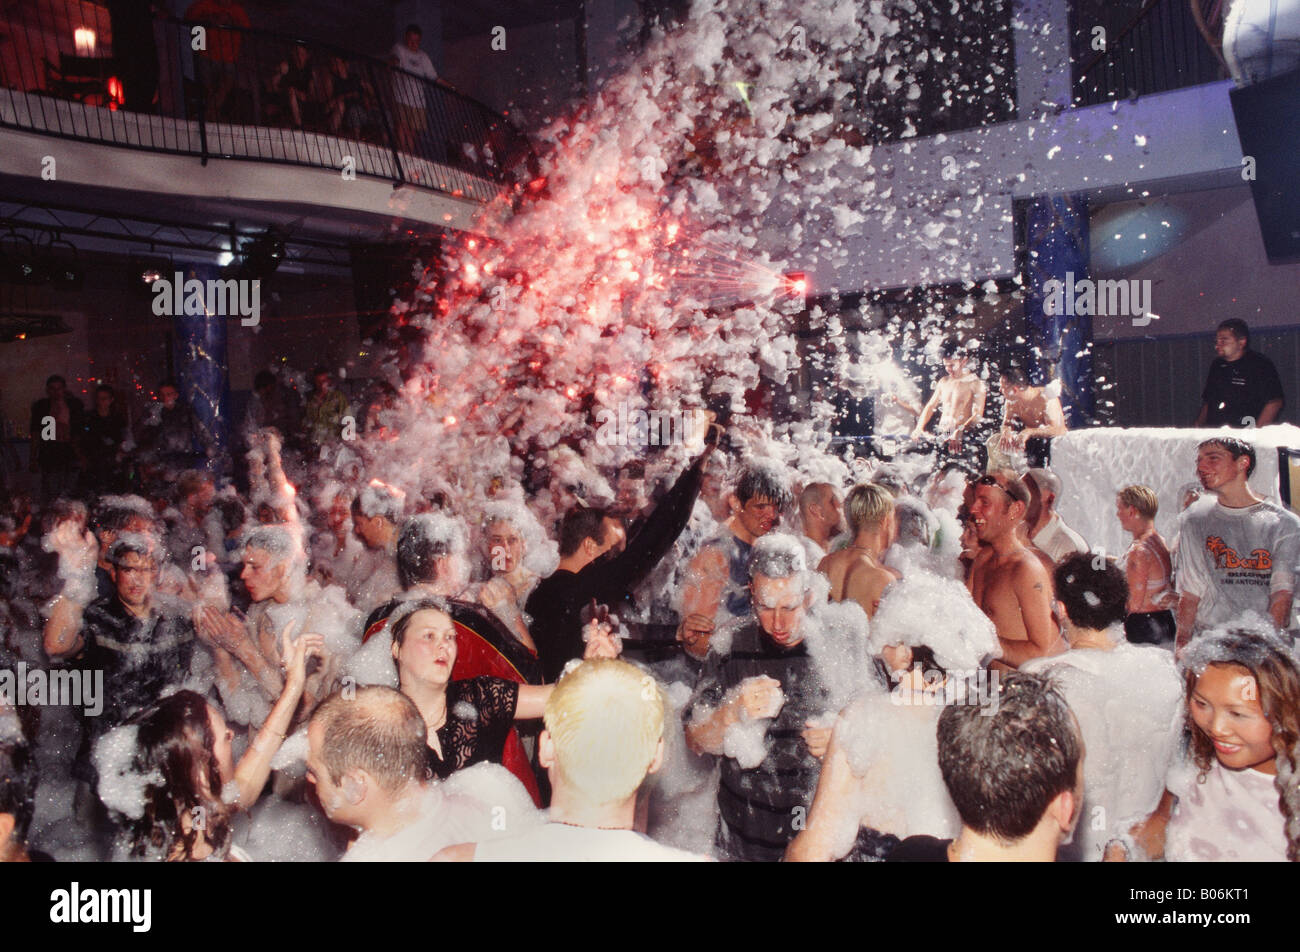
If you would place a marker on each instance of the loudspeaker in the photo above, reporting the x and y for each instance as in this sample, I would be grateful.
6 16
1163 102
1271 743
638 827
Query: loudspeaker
1268 124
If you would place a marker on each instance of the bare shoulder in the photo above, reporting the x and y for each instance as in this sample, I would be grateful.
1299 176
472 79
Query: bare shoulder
1028 568
460 853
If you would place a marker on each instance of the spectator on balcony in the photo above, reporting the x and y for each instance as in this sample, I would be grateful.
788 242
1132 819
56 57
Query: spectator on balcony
351 100
412 108
215 62
135 50
294 90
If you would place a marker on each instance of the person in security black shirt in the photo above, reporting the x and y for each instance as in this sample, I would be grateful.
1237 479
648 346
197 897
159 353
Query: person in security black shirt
1243 388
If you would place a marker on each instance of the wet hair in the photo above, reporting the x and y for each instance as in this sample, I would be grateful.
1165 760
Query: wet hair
581 523
950 348
132 543
18 785
916 523
380 731
64 510
1046 481
1014 376
1011 485
814 494
1236 449
409 610
379 499
1274 668
1094 598
421 542
115 513
231 512
921 654
1005 762
778 555
191 481
867 506
176 752
1142 498
1237 327
763 482
277 541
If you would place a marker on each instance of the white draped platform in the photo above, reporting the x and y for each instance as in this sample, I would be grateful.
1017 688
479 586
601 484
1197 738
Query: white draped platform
1095 464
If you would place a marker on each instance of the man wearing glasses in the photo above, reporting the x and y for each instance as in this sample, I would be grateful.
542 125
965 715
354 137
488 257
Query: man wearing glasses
1007 580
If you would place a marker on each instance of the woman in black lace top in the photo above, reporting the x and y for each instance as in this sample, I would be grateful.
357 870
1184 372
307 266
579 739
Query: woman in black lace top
468 720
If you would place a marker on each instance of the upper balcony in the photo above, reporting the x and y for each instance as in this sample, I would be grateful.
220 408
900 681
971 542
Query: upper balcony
173 91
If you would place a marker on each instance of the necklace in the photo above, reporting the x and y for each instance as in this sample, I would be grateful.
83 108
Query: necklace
584 826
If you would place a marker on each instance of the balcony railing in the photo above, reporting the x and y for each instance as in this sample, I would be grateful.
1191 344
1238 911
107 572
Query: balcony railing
1159 49
69 69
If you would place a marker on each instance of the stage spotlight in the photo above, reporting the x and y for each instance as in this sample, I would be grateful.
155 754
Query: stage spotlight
796 285
143 271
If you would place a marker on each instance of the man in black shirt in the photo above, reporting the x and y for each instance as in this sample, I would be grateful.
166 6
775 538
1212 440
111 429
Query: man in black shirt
766 678
588 571
1242 388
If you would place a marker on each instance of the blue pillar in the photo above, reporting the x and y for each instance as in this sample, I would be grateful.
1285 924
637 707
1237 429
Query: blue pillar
1056 229
202 368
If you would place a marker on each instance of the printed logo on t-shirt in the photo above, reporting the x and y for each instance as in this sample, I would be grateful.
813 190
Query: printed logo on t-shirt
1226 557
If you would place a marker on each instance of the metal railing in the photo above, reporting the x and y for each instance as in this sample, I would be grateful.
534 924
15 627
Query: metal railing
67 69
1160 49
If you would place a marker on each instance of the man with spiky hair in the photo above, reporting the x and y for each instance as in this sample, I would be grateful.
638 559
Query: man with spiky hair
766 675
1236 554
717 590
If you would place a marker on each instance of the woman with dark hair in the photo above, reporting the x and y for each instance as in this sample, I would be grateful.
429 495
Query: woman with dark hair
187 786
1127 699
880 779
1237 796
468 720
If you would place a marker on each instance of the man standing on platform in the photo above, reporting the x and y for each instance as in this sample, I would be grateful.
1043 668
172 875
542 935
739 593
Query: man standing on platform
959 397
1242 388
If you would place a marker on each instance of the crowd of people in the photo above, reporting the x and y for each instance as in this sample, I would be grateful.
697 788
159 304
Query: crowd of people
722 655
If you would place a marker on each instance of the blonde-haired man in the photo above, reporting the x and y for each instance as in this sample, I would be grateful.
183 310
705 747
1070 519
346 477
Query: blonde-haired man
603 737
857 572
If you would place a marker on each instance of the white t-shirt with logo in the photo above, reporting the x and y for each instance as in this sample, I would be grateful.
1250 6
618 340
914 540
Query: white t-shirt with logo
562 843
1234 560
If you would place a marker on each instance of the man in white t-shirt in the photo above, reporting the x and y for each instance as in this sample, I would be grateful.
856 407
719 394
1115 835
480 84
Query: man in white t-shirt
604 735
368 760
1236 554
1046 529
412 109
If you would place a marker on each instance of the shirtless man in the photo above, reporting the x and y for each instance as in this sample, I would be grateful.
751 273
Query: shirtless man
1030 417
1007 580
858 571
1148 568
959 397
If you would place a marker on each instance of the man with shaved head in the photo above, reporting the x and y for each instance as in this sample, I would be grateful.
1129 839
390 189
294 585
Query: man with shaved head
367 760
